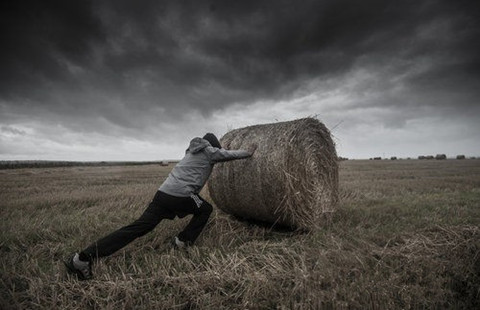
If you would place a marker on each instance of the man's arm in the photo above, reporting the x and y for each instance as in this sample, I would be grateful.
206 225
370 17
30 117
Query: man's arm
220 155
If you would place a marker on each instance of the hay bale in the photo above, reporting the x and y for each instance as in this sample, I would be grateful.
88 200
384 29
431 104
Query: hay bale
441 157
292 179
460 156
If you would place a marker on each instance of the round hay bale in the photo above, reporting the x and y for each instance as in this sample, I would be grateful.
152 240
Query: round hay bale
291 180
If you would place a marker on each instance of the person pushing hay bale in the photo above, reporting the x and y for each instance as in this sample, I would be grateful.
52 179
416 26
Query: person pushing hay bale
291 180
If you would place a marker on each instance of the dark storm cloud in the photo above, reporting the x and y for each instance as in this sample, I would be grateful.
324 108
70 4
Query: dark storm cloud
115 59
36 37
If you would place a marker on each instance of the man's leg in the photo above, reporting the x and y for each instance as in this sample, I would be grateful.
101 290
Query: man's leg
201 212
120 238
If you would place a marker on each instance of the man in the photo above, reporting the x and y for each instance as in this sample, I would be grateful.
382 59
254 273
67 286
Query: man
177 196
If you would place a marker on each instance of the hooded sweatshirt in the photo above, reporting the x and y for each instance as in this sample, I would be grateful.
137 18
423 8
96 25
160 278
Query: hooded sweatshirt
191 173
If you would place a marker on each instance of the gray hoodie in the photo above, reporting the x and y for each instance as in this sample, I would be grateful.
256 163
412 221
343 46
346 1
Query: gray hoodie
192 172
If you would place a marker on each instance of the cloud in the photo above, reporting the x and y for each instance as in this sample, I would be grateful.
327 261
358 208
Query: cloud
143 69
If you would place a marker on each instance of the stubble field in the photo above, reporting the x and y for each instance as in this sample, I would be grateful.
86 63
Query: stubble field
406 236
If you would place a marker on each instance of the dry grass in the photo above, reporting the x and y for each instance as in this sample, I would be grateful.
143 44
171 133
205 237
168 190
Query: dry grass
291 179
406 236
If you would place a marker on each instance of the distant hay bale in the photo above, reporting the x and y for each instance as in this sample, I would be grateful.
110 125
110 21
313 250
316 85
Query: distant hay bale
377 158
393 158
292 179
164 163
441 156
460 156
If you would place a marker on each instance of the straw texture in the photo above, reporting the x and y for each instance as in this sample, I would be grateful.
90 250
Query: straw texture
291 180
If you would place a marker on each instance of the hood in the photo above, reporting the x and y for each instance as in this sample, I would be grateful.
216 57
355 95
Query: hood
197 145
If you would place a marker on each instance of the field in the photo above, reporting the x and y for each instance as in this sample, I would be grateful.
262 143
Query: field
406 236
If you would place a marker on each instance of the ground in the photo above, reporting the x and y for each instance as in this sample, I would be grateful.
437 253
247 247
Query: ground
405 235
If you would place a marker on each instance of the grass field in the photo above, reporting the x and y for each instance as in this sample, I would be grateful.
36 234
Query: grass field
406 236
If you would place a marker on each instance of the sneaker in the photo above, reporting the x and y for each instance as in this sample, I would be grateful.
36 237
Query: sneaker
82 269
180 244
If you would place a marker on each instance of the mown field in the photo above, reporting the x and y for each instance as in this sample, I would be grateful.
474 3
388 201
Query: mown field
406 236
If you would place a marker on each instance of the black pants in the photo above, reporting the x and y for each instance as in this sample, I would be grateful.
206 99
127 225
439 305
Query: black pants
163 206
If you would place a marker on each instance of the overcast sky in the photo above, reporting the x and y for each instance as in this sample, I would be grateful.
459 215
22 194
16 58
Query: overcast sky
136 80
